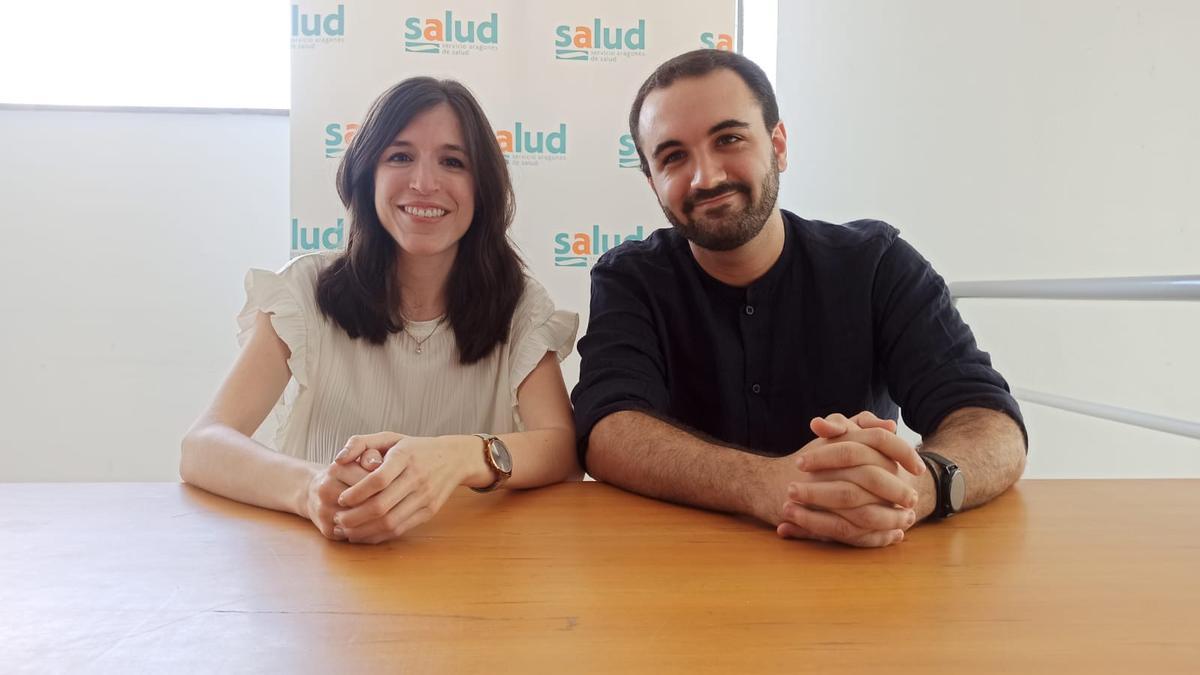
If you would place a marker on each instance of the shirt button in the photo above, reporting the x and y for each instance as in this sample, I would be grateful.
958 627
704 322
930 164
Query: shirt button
756 389
749 310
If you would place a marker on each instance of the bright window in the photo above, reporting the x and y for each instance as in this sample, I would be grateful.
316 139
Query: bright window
211 54
759 29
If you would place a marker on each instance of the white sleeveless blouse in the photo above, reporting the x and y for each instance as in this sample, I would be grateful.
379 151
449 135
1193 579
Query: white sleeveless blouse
341 387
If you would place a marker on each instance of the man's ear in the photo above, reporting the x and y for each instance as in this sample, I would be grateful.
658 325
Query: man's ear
779 145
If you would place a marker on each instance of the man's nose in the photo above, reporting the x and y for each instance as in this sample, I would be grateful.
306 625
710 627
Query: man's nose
707 172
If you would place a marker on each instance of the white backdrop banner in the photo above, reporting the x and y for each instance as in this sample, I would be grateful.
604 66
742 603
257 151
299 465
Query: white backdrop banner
556 79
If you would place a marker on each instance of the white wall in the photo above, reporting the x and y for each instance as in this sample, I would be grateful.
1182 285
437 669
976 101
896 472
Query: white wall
1022 140
126 238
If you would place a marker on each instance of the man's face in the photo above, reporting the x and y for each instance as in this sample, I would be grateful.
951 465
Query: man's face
713 164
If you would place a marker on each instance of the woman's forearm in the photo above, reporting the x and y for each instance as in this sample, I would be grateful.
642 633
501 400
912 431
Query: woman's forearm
540 457
224 461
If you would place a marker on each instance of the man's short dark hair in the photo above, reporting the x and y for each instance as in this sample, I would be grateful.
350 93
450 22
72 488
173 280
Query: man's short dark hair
697 64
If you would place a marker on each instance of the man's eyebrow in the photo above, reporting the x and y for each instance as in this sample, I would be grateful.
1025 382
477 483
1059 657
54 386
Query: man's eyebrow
718 127
664 145
728 124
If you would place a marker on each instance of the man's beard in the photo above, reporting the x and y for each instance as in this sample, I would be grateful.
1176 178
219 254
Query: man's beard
730 229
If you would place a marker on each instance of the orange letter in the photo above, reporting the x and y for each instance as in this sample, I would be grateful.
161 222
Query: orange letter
582 245
505 139
583 37
434 31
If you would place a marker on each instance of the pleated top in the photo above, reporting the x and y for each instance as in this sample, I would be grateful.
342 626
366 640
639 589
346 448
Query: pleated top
341 387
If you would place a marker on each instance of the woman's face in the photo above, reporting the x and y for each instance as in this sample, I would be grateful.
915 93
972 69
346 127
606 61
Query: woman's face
424 191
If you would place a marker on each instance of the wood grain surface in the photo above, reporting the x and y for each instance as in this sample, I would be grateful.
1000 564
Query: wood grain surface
1053 577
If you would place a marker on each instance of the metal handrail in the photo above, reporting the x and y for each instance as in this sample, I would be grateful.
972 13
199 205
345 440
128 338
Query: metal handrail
1112 413
1184 287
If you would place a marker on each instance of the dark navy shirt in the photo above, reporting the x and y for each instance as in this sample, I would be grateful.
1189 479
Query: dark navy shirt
849 318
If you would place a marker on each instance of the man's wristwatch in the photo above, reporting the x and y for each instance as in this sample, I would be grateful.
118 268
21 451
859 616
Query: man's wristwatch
951 484
495 453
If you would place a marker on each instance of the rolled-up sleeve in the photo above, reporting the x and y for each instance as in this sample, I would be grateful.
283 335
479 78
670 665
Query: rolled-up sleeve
622 365
929 356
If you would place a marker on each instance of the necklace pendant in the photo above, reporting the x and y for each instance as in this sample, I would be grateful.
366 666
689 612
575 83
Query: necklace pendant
419 349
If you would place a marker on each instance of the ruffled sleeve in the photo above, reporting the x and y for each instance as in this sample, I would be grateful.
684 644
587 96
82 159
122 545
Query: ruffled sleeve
288 296
538 328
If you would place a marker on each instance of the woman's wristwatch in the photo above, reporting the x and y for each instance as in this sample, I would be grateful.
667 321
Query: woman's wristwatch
495 453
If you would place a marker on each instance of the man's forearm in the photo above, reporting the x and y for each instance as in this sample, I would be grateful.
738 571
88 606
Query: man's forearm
643 454
987 446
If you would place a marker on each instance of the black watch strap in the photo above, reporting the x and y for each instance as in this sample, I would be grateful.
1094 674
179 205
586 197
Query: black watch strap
943 471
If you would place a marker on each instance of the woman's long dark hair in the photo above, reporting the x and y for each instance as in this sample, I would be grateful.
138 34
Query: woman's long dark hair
360 290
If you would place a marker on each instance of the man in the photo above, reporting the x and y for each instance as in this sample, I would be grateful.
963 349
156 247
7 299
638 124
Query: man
723 355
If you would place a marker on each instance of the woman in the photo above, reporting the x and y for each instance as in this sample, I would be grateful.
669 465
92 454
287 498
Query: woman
424 331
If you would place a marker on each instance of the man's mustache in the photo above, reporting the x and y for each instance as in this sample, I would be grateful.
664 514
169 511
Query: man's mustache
725 188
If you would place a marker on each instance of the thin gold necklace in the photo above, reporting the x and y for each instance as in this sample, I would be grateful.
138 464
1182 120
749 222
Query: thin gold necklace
421 342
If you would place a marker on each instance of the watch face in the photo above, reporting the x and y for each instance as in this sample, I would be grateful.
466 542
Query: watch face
958 490
500 456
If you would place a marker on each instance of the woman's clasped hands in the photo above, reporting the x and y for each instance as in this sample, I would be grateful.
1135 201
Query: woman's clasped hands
382 485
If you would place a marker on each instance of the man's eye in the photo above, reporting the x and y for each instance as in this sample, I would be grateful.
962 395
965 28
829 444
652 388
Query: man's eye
672 157
727 139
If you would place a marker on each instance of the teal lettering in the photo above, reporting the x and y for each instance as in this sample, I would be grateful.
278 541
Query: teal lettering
556 142
640 33
412 28
562 243
337 231
604 246
489 31
534 142
307 29
601 36
333 135
335 23
311 25
305 244
564 36
628 149
454 29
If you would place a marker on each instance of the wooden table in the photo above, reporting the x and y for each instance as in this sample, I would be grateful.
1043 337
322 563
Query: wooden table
1053 577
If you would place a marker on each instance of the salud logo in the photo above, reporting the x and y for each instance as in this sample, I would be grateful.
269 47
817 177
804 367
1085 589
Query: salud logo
580 249
317 238
451 35
309 30
599 42
627 157
722 41
337 137
525 146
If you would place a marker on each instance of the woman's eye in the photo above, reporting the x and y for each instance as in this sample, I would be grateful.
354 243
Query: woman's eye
455 162
399 157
